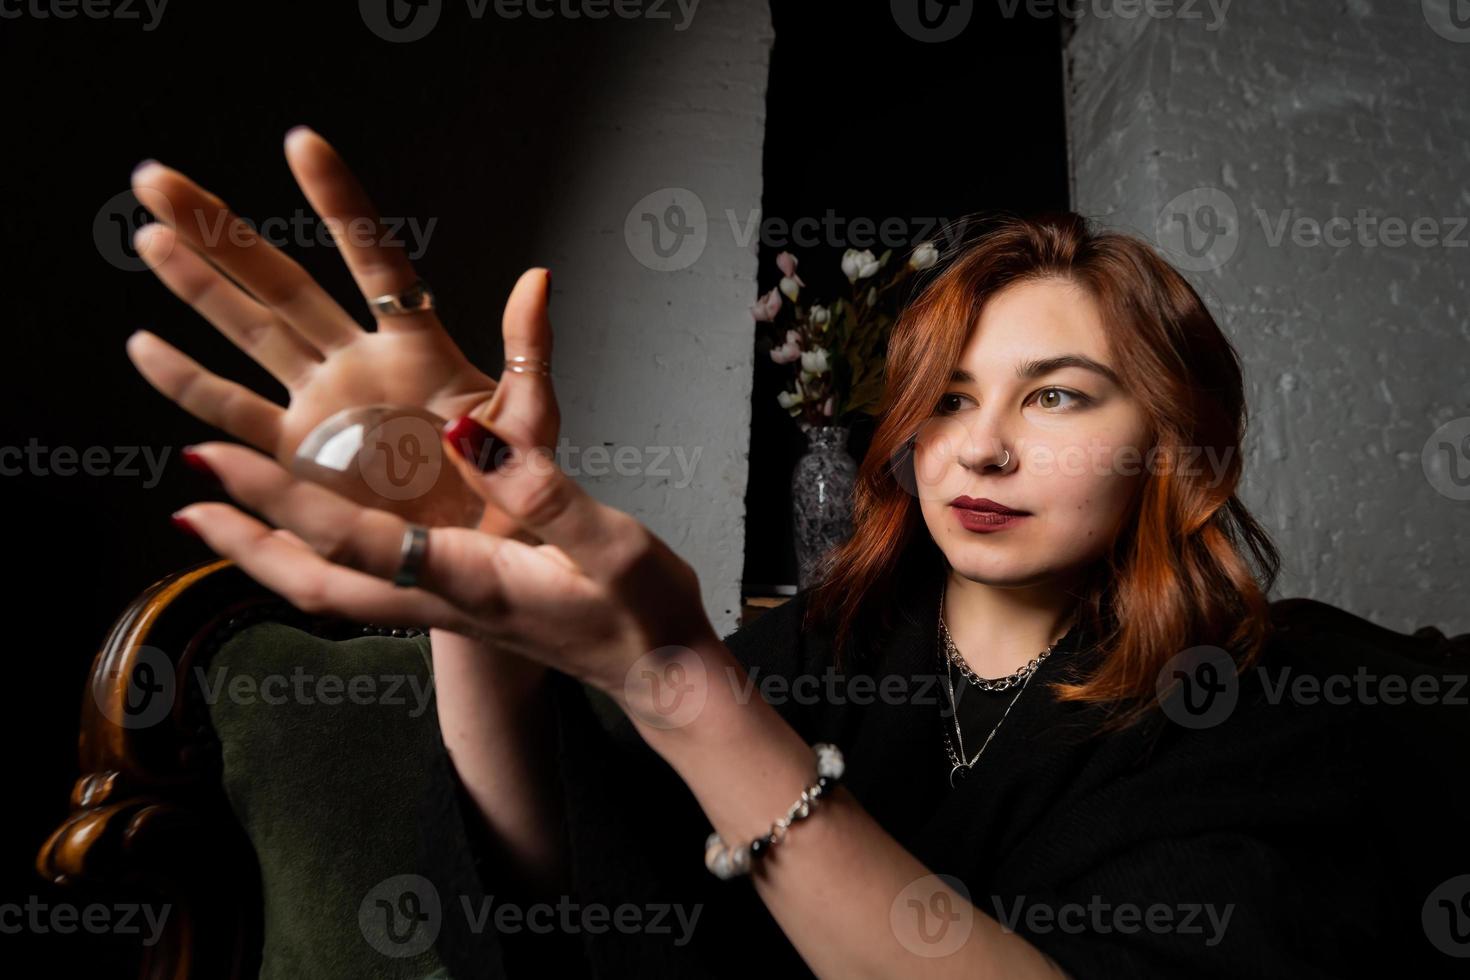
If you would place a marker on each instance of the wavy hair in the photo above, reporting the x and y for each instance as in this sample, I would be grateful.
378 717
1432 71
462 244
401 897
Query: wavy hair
1177 572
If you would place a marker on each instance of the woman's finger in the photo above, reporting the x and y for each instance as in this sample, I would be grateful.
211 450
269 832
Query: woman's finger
249 325
524 406
307 580
223 404
267 273
531 488
377 261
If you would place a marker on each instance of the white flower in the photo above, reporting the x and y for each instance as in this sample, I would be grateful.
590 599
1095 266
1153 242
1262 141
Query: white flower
766 308
858 265
814 361
925 255
786 262
819 315
789 399
789 351
790 287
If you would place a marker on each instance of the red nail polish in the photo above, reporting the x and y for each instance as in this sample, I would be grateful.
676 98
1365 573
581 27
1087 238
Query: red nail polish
183 525
198 462
482 448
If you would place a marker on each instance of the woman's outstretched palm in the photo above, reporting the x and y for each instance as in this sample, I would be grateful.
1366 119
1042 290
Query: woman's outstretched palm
266 304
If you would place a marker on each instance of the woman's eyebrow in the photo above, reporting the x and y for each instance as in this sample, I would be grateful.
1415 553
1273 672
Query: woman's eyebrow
1027 370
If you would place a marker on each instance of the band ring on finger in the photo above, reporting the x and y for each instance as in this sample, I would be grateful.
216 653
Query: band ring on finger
417 298
415 547
527 365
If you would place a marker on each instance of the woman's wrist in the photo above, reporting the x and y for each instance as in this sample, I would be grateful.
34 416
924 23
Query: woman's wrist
742 760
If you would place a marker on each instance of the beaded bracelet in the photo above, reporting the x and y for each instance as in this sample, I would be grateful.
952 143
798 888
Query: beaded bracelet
723 862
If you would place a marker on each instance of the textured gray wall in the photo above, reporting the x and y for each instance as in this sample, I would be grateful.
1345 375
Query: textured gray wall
1308 166
654 344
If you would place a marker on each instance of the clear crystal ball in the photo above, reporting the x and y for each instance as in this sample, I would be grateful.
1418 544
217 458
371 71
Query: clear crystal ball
391 457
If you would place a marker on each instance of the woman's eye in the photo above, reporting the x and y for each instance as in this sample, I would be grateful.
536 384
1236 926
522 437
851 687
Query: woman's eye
949 402
1046 397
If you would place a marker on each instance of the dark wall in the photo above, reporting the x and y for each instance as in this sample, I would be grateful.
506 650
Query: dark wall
864 120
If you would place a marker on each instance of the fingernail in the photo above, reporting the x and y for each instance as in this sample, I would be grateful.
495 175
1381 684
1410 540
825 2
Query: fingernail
297 129
198 462
141 165
485 450
183 525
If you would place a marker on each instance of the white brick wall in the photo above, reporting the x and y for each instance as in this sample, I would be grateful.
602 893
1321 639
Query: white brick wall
1355 353
652 359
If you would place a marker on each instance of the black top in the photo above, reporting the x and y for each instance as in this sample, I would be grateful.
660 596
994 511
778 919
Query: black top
1276 834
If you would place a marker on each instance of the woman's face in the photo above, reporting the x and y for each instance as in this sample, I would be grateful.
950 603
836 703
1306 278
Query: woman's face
1064 425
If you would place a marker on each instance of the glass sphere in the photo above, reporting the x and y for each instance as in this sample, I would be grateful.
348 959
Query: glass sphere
391 457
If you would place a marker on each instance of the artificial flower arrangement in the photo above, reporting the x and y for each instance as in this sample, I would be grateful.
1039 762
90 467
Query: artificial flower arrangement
837 348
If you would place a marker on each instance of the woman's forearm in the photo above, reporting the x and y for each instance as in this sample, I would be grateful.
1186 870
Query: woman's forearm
833 883
496 720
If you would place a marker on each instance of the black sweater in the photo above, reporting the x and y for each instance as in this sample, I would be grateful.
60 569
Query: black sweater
1295 834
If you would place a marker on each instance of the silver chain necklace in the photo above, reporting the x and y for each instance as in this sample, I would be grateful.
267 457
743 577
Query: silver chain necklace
949 655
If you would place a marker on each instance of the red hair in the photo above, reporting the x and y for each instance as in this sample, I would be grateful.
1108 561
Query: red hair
1176 574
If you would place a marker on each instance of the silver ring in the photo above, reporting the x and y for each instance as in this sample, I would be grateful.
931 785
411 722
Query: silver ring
417 298
415 546
527 365
1007 459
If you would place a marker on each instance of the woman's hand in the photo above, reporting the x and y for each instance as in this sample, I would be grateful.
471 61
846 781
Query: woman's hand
269 307
602 599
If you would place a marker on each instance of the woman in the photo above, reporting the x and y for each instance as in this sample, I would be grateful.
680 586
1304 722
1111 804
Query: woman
1017 655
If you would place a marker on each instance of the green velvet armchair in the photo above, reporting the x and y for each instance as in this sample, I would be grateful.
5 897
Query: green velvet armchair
255 769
